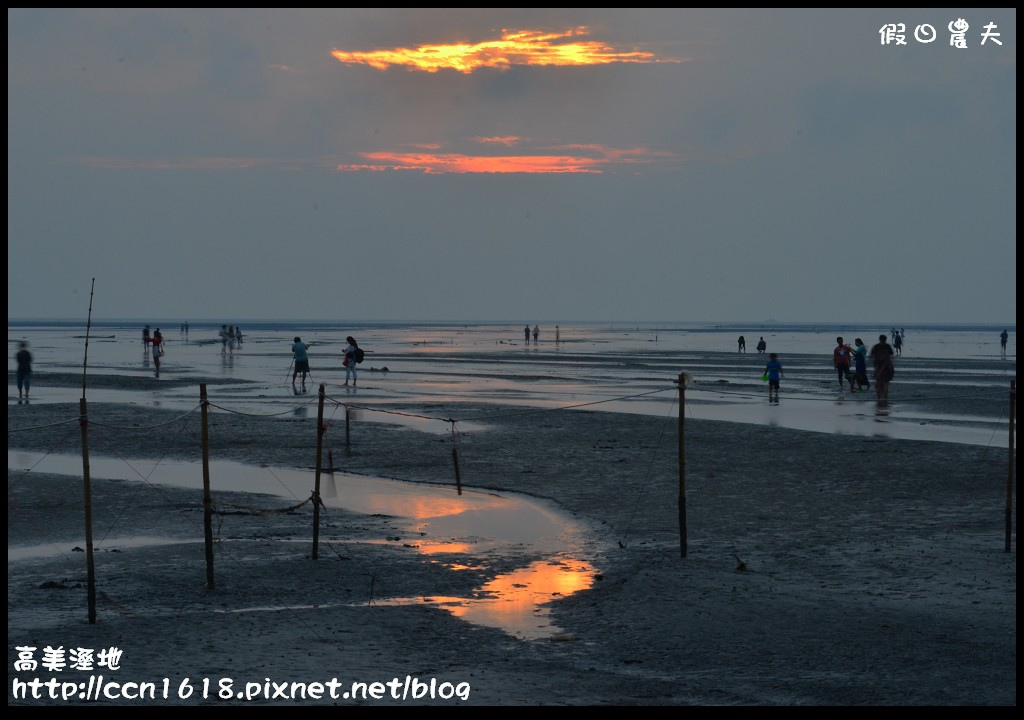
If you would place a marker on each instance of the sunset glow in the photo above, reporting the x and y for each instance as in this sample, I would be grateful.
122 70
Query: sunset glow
567 159
514 47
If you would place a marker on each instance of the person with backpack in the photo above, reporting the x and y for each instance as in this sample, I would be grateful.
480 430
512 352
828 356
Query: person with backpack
842 357
353 356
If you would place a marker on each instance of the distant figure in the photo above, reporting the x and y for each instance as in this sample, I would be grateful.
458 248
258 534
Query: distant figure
145 339
897 344
232 339
1003 337
350 360
300 352
860 363
881 356
558 336
536 333
762 345
526 334
186 329
742 344
24 359
238 335
774 370
842 356
224 339
158 349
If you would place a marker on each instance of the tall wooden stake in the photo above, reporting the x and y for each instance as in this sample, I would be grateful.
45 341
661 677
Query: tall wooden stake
207 499
87 493
1009 475
682 465
319 462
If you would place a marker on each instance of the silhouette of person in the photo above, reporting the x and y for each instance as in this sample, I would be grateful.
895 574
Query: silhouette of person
860 365
842 356
145 339
350 360
536 333
775 372
24 360
301 354
762 345
526 334
881 356
897 344
742 344
1003 337
158 349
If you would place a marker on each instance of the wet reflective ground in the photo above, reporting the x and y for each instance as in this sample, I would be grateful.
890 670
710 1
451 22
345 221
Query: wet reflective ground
950 387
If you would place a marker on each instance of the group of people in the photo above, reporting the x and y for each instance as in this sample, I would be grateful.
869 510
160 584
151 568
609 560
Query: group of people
350 357
536 334
230 337
851 365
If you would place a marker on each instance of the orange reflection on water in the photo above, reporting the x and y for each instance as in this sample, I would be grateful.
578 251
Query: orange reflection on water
513 602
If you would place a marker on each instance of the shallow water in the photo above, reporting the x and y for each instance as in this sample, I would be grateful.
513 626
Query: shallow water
609 368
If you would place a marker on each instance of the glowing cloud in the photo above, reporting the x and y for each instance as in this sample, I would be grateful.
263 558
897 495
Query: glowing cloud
567 159
519 47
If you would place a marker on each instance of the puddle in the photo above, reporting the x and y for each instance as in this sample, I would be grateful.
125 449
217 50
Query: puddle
438 520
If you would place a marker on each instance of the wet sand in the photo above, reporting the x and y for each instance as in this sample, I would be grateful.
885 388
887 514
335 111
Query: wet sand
819 569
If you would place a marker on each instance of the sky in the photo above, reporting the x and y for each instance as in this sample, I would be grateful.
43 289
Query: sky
521 165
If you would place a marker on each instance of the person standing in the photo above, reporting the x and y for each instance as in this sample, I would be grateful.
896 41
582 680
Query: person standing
526 334
536 334
558 335
860 364
145 340
350 360
774 369
224 339
158 349
1003 337
300 352
24 360
842 356
881 356
897 343
742 342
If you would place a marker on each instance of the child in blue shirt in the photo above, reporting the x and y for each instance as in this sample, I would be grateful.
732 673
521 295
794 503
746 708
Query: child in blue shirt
774 370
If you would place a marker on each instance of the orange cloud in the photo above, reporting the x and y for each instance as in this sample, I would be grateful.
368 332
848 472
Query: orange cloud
522 47
578 159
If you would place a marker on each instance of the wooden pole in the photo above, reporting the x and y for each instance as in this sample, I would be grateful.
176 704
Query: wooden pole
682 465
319 462
455 460
207 499
348 443
1009 474
87 493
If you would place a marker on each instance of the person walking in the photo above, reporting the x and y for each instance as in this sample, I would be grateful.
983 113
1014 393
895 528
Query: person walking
842 356
860 365
774 369
1003 337
351 360
24 359
881 355
300 353
224 339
